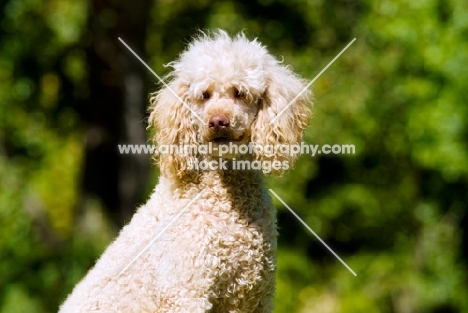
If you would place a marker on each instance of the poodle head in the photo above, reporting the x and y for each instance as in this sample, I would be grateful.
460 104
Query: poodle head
228 92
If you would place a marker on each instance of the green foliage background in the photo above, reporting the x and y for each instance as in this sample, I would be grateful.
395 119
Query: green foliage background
395 211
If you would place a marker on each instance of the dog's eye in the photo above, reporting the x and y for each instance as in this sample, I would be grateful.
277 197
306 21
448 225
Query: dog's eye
239 94
205 95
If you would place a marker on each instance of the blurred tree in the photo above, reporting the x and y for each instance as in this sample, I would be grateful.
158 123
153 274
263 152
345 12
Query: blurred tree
115 110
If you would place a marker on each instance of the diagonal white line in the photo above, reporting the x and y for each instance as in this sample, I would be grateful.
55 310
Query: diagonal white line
313 233
159 234
312 81
161 80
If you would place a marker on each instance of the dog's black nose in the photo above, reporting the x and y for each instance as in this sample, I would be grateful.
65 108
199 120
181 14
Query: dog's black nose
218 122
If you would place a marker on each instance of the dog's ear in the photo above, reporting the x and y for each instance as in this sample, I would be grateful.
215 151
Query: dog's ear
283 115
173 123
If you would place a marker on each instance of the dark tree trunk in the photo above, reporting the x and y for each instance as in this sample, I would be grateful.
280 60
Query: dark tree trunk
115 110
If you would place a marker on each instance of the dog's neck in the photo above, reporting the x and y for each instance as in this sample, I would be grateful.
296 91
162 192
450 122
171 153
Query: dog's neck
215 178
243 192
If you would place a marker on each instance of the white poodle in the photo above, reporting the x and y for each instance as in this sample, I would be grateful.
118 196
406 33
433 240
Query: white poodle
215 253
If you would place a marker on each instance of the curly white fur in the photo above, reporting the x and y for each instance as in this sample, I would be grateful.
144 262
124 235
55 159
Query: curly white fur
219 256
